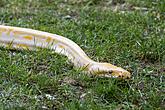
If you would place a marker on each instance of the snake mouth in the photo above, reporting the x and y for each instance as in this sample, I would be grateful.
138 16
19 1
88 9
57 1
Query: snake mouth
121 75
115 74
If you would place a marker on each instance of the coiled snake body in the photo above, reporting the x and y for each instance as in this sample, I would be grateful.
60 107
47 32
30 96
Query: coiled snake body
23 38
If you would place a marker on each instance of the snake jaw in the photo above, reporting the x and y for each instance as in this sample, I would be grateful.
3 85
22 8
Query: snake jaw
110 71
121 74
115 74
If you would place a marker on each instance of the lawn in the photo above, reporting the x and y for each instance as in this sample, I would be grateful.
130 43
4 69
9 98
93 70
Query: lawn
126 33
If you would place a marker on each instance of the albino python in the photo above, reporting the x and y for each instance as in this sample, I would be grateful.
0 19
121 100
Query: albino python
23 38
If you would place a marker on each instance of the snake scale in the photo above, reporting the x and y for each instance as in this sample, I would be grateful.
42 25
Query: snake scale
24 38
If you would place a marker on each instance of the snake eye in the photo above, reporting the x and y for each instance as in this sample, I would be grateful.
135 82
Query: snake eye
109 72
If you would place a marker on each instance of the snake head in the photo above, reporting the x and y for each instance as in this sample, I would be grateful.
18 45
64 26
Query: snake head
109 70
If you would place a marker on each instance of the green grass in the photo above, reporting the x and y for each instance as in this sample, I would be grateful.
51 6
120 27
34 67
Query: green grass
131 38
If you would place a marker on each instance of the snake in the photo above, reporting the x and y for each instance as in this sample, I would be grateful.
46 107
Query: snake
26 38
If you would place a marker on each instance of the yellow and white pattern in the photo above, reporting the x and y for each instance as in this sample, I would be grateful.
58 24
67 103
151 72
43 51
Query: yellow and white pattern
23 38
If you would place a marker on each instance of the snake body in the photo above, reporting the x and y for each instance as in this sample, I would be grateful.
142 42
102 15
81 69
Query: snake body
24 38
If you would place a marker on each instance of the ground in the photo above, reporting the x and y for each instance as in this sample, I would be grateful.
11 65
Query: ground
126 33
